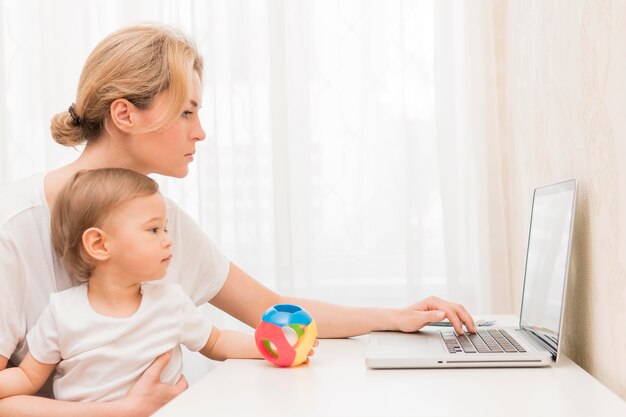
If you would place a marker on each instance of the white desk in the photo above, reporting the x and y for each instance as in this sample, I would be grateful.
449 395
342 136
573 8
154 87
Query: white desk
337 383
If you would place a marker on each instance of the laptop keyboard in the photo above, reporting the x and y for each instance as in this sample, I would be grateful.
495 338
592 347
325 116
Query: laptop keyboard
485 341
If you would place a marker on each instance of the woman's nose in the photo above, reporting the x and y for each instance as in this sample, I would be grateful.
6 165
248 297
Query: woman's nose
199 133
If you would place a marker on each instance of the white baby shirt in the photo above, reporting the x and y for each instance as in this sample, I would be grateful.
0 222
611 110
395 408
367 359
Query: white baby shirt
29 272
100 358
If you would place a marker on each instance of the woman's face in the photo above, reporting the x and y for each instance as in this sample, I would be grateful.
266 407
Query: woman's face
169 151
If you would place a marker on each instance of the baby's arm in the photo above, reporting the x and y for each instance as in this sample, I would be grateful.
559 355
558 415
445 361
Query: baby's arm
25 380
195 326
229 344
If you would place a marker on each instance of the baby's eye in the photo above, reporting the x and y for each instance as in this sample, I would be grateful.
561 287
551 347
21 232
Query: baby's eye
155 230
166 230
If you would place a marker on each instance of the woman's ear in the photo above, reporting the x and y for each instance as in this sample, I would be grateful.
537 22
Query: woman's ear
95 242
122 114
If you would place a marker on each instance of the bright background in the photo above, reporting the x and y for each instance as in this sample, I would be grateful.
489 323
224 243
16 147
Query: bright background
375 152
346 156
342 161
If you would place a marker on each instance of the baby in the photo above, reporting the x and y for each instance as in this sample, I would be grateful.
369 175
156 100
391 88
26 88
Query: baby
109 232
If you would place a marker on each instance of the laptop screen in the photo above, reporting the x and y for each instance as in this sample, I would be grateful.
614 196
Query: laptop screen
547 259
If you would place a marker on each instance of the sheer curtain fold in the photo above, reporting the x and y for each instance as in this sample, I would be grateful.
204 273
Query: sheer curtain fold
352 149
470 155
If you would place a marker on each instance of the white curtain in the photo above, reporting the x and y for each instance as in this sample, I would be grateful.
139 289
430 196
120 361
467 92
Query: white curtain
468 126
352 145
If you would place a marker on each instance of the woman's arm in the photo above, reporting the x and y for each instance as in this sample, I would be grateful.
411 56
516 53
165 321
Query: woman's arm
147 396
25 380
341 321
243 297
246 299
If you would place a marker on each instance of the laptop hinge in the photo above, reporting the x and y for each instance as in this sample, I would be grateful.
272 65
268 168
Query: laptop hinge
542 340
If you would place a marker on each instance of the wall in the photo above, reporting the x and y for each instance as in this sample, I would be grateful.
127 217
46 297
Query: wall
562 107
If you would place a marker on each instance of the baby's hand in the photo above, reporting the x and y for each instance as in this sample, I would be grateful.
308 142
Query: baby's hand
311 352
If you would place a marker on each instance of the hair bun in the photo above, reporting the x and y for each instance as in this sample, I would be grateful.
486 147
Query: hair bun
65 130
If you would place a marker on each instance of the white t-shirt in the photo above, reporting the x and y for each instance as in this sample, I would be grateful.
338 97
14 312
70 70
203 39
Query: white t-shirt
100 358
29 271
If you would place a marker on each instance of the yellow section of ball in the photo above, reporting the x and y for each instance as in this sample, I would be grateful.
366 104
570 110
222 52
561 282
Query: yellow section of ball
305 343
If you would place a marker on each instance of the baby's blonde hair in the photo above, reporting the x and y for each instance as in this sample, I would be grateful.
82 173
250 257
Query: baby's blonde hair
86 201
136 63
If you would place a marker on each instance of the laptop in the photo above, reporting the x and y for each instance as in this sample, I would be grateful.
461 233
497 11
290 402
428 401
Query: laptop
535 341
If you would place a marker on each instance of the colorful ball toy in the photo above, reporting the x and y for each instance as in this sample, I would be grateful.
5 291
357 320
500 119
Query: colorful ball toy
285 335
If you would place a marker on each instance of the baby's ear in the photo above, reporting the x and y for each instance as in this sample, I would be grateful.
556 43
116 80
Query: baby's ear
95 242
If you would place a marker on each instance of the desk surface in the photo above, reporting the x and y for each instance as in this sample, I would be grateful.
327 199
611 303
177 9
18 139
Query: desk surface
337 383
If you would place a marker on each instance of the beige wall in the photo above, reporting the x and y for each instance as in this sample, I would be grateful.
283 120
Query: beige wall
562 108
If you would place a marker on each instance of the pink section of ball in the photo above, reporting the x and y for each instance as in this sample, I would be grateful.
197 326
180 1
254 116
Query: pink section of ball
285 352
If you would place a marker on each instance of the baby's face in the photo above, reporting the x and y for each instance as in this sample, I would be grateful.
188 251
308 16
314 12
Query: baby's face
138 241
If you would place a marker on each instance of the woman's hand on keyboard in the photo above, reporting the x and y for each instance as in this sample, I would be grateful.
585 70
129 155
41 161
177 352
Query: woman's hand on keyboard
434 309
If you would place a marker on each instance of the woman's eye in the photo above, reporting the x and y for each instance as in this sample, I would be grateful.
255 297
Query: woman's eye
186 114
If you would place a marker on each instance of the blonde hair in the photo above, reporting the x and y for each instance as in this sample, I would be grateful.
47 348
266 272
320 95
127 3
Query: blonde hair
86 201
136 63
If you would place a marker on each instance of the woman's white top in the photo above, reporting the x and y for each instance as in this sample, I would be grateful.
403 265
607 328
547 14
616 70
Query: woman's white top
29 272
99 357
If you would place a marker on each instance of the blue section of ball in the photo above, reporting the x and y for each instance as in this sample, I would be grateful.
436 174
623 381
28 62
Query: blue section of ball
285 314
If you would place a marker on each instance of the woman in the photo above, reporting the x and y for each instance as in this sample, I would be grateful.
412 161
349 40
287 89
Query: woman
137 107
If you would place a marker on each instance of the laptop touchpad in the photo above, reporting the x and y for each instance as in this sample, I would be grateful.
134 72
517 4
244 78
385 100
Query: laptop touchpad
408 339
